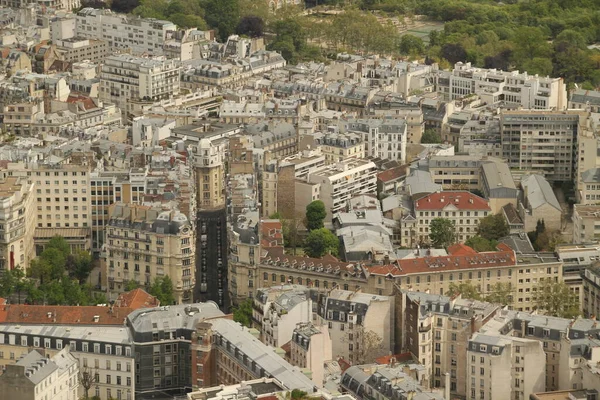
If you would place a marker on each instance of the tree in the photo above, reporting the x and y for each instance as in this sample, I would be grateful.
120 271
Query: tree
411 44
500 293
87 379
124 6
467 290
131 285
556 299
162 289
430 137
315 214
243 313
222 15
480 244
453 52
59 243
251 25
442 232
493 227
320 242
79 265
368 346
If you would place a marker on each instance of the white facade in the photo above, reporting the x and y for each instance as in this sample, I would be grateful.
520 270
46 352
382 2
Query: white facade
504 368
140 36
148 132
282 316
310 348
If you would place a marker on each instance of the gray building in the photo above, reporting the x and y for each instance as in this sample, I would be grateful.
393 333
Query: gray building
498 185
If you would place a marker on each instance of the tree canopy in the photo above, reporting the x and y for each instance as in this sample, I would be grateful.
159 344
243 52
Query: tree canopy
442 232
480 244
493 227
162 289
320 242
556 299
315 214
430 137
243 313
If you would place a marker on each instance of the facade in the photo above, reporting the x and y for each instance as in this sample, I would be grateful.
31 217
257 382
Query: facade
145 243
586 223
342 181
495 86
458 172
310 347
464 209
35 377
360 324
19 118
383 138
75 50
498 186
18 223
495 363
590 306
140 36
540 204
125 78
541 142
337 147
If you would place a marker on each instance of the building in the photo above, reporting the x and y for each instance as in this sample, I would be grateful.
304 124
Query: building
36 377
162 339
119 31
541 142
282 308
434 330
540 204
19 118
17 218
77 49
224 352
342 181
576 259
382 138
464 209
459 172
498 186
360 324
586 223
337 147
590 306
497 363
148 242
263 388
582 99
310 347
589 184
125 79
149 132
493 86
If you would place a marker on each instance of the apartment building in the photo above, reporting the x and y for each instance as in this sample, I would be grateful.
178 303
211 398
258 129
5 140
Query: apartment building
382 138
138 35
110 187
125 79
586 223
582 99
19 118
277 311
224 352
464 209
339 182
579 357
280 179
504 367
337 147
360 324
17 223
435 330
542 142
79 49
590 306
576 259
148 242
310 348
459 172
104 351
36 377
162 340
589 186
514 89
253 389
498 186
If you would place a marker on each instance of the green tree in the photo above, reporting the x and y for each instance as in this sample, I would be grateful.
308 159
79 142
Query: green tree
131 285
243 313
480 244
222 15
320 242
442 232
493 227
411 45
500 293
556 299
59 243
430 137
315 214
79 265
467 290
162 289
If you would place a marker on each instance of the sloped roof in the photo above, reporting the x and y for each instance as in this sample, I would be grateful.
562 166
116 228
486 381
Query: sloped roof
539 192
461 200
137 298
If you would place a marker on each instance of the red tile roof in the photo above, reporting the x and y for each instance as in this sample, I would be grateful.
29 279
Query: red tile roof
276 255
392 174
271 233
137 298
454 200
385 360
84 101
459 249
63 315
454 262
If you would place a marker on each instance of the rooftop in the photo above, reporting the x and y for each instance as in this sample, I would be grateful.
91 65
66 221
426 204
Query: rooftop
451 200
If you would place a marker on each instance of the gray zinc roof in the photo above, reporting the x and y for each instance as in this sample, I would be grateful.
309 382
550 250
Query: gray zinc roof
539 192
591 175
37 367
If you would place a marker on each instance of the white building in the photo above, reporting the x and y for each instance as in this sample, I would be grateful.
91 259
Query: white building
310 348
494 86
148 132
342 181
125 78
138 35
281 316
504 368
35 377
383 138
